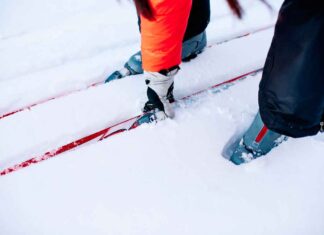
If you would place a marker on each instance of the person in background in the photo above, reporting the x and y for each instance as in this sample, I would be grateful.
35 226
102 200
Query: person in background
194 40
291 91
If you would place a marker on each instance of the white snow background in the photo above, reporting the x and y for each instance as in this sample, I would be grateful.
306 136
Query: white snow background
168 178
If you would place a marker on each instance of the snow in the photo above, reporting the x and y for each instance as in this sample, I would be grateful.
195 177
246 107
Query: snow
168 178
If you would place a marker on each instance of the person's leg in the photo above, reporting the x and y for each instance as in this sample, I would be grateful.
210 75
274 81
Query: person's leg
291 93
291 97
190 49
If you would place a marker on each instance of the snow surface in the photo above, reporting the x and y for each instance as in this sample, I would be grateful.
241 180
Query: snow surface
168 178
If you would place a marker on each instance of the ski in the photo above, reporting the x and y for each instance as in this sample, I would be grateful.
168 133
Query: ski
123 126
30 106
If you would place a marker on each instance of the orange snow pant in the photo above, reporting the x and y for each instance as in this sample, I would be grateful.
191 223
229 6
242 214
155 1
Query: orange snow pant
161 38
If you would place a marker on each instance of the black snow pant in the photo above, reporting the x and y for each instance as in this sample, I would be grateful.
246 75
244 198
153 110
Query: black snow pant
291 92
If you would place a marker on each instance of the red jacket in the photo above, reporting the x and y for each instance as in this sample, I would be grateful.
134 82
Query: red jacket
162 37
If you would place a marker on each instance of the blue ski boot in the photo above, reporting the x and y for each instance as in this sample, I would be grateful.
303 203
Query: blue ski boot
193 46
257 141
132 67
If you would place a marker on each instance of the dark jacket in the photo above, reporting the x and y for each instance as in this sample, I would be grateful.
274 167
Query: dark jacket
291 94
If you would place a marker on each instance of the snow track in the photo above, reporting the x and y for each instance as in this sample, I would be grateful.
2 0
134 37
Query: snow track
168 178
102 78
125 125
63 120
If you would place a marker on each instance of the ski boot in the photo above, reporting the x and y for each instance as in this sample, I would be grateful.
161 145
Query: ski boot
190 49
257 141
132 67
193 46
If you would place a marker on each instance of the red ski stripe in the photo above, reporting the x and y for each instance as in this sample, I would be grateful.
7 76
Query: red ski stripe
102 134
261 134
107 132
27 107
